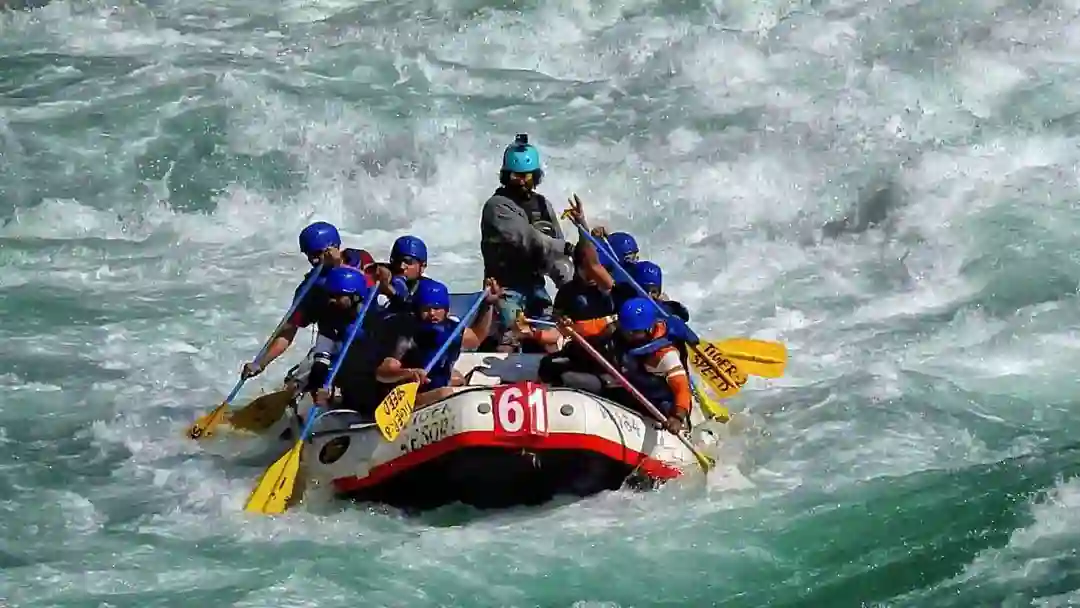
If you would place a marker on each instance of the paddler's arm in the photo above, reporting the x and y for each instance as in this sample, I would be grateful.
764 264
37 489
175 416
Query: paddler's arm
679 383
474 335
590 261
666 362
384 276
590 328
391 371
561 267
278 345
544 337
585 255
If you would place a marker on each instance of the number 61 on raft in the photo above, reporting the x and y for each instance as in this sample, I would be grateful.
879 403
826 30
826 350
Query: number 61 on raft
520 409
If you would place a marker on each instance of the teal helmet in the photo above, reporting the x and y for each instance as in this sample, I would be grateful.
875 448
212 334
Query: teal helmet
521 157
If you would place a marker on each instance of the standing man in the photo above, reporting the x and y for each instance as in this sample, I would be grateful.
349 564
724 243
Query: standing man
521 243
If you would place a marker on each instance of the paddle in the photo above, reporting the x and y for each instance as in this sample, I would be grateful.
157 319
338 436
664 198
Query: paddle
703 460
719 372
204 426
263 411
394 412
275 487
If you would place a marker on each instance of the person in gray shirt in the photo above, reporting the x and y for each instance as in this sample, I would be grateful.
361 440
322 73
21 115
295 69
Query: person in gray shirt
522 243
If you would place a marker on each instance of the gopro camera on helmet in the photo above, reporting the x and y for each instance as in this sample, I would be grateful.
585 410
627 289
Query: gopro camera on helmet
522 139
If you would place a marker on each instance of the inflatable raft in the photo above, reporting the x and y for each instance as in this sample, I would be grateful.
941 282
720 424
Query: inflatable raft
504 439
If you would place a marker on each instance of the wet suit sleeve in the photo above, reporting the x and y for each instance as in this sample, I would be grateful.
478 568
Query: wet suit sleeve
590 328
401 347
305 314
399 337
666 363
327 353
320 370
504 218
560 268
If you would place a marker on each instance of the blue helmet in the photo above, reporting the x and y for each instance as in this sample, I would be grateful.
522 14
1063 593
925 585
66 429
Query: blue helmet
431 294
622 244
317 237
345 281
409 246
521 157
647 275
637 314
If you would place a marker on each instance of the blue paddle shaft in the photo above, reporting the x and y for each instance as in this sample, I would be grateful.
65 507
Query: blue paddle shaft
625 276
313 414
460 329
304 289
584 227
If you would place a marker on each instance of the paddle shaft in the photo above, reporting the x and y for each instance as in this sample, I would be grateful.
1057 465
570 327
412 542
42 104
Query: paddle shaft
304 289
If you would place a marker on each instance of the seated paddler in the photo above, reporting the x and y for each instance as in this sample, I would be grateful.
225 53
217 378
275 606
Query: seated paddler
423 331
650 362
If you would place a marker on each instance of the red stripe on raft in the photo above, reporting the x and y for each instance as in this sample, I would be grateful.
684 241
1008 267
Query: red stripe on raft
657 469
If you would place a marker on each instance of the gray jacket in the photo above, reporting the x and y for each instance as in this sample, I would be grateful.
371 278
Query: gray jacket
516 252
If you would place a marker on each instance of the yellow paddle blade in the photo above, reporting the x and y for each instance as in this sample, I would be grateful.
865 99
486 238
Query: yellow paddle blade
706 463
711 408
719 372
757 357
394 413
764 351
205 426
275 487
263 412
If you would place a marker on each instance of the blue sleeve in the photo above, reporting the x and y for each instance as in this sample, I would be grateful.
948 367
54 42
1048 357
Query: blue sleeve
307 312
401 290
